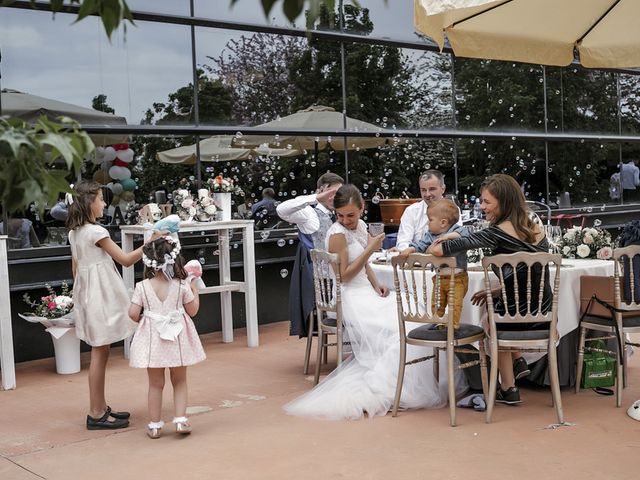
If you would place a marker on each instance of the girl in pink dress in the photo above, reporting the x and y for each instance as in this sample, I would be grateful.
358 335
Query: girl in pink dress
163 304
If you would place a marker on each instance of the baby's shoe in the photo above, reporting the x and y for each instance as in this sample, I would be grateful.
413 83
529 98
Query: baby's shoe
154 429
182 425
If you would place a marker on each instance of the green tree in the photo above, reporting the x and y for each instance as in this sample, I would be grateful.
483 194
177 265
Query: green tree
99 102
214 108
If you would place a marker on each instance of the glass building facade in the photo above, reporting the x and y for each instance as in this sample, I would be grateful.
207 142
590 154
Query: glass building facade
554 129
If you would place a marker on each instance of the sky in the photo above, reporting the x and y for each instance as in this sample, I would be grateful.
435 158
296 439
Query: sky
50 57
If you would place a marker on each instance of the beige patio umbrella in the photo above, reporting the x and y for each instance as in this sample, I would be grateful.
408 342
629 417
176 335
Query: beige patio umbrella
318 118
217 149
30 107
605 32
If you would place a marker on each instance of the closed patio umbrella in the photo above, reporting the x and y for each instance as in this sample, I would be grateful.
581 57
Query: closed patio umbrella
604 32
217 149
30 107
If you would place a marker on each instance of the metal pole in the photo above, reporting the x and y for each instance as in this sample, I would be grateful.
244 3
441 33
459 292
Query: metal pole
619 133
344 93
5 216
455 126
546 130
196 111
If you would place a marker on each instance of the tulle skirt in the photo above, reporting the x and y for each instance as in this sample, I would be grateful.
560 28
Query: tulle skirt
366 382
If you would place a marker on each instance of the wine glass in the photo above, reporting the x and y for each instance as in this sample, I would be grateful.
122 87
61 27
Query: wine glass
554 237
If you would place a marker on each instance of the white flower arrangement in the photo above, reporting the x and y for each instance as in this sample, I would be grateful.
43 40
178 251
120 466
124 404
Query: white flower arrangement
586 243
205 207
219 184
184 203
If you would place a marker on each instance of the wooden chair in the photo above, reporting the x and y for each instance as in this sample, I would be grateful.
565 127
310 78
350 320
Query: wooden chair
528 297
414 299
626 316
327 284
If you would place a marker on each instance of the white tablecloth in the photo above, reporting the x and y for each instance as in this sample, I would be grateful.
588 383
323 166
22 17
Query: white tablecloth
568 303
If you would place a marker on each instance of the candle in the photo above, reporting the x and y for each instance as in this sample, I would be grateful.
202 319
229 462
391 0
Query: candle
161 197
203 193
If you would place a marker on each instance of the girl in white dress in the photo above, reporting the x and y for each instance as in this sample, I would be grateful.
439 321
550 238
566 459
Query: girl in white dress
366 382
100 299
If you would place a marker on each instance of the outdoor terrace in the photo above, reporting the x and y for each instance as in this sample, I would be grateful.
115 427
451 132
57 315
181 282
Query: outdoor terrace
244 434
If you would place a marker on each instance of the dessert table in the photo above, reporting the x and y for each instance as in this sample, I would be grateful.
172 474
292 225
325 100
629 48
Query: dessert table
247 287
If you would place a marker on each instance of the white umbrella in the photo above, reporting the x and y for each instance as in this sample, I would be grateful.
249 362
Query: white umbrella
30 107
604 32
318 118
217 149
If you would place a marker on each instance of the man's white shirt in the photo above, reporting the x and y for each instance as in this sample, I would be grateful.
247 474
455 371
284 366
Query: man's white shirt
629 176
414 223
300 211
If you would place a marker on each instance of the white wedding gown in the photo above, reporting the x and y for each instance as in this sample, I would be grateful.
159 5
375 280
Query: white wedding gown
366 382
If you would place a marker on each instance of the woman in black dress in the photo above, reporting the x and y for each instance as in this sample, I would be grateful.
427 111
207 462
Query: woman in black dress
511 230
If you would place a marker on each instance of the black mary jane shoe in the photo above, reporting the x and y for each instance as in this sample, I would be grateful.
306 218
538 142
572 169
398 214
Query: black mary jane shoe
103 423
118 415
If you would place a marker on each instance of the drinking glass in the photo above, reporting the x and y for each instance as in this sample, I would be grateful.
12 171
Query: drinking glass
376 228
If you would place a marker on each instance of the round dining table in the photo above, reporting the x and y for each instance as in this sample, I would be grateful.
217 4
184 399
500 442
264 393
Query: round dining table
568 301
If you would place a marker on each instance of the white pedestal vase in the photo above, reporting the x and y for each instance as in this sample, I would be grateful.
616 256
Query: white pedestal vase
223 200
66 345
67 349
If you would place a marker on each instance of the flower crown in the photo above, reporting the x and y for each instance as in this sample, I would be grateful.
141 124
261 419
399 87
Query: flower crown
169 258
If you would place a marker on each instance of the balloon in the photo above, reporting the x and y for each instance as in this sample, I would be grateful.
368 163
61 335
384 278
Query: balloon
119 163
99 156
128 196
115 200
101 176
109 154
120 146
119 173
109 186
125 155
116 188
128 184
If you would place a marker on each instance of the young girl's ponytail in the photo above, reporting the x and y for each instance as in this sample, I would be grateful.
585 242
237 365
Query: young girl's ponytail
79 203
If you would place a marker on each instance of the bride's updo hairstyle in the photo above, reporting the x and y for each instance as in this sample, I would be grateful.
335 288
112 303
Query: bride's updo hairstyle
346 194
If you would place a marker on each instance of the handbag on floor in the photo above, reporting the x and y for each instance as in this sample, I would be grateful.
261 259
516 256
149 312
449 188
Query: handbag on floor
599 368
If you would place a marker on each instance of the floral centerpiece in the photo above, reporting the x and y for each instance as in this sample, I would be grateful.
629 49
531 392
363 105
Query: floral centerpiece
51 310
205 206
185 204
219 184
586 243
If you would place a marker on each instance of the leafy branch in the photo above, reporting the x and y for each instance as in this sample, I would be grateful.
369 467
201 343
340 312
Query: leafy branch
30 157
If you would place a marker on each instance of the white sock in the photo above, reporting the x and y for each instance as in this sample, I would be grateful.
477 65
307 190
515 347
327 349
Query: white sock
177 420
159 424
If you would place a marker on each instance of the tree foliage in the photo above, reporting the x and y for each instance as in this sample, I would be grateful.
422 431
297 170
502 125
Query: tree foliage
34 160
112 13
214 108
99 102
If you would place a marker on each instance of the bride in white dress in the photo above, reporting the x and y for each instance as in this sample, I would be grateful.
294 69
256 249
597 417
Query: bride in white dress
366 381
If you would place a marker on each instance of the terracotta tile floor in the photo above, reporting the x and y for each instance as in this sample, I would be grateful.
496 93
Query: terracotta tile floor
243 433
